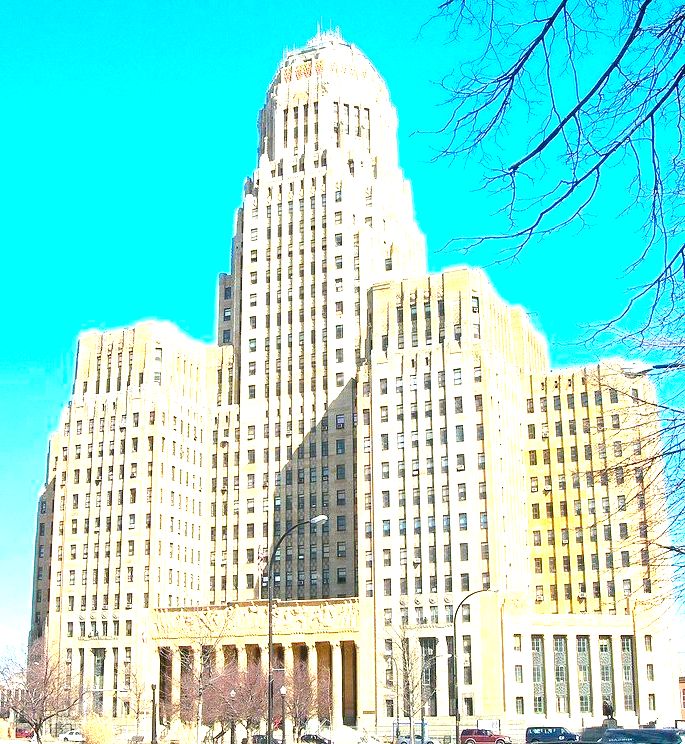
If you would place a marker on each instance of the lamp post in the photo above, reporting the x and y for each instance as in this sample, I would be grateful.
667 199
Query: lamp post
231 694
153 738
455 669
283 691
269 578
392 658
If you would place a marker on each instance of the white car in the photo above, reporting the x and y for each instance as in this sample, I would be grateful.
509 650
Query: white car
417 740
73 735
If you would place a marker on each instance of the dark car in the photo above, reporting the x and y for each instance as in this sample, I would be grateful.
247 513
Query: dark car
483 736
314 739
643 736
549 733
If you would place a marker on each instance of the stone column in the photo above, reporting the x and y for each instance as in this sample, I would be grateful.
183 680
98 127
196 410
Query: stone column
219 660
264 658
620 711
288 660
358 680
242 657
313 671
573 690
312 660
595 679
336 685
550 686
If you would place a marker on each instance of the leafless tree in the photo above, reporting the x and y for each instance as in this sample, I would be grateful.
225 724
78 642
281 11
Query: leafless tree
43 684
644 460
250 699
235 696
198 666
138 697
415 669
302 698
565 104
324 699
559 100
221 706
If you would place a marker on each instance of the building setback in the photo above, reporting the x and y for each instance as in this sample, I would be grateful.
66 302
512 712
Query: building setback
418 412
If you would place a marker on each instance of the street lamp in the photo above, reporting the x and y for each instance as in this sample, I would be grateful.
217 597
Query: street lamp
269 578
455 669
283 691
153 738
231 694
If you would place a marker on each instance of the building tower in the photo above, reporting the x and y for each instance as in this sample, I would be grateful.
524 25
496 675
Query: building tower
326 214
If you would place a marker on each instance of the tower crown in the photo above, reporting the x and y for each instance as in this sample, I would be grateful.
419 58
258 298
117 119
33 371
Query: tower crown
329 87
328 47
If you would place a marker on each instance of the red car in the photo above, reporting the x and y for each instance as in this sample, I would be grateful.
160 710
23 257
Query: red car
483 736
23 733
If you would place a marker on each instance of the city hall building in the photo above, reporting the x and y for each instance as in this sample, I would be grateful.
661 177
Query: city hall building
471 493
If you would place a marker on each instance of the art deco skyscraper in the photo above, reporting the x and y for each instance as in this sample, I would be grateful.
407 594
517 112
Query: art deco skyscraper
417 412
326 214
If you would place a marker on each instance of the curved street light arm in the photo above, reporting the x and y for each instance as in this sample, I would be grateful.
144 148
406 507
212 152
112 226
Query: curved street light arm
269 579
455 670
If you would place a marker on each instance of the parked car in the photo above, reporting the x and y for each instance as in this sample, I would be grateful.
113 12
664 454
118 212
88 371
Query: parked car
549 733
23 733
314 739
73 735
483 736
643 736
417 739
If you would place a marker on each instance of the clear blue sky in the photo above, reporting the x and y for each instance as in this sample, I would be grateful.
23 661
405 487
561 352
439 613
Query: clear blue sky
127 128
